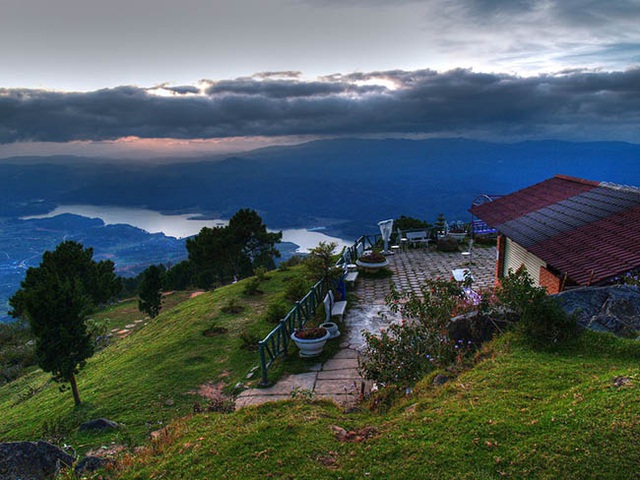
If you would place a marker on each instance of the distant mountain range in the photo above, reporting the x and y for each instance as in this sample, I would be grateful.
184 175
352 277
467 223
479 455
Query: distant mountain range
348 185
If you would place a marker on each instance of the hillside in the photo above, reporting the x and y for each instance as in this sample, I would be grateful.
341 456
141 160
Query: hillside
518 412
154 374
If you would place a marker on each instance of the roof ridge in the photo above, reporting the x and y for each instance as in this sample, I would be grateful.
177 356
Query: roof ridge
577 180
617 186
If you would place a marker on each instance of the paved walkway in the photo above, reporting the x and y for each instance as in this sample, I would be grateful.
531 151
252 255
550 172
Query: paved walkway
338 379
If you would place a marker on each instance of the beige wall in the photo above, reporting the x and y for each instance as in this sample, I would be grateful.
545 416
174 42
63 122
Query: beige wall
515 255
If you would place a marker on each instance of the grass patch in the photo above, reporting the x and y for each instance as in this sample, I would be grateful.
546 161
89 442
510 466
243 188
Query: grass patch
520 413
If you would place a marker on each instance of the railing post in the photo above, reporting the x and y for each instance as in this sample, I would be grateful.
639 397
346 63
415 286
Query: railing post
264 381
285 335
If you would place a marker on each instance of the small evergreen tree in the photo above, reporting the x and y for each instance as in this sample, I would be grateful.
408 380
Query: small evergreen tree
56 297
150 290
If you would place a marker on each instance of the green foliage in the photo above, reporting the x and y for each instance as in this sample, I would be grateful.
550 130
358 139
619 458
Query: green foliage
56 297
440 222
150 290
404 353
222 254
290 262
249 340
448 244
321 262
541 318
277 309
17 350
252 286
233 307
521 413
297 288
409 223
180 276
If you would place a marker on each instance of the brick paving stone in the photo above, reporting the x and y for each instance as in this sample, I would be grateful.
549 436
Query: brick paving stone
345 353
337 387
341 364
348 373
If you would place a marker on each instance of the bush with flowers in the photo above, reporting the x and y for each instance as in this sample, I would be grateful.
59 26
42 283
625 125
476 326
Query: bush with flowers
404 353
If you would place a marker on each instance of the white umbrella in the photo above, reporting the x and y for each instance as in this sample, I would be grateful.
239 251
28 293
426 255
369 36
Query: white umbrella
386 227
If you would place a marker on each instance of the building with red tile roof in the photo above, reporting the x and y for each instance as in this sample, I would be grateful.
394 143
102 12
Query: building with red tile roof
566 231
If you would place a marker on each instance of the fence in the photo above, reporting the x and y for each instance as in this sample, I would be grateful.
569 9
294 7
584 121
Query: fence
276 343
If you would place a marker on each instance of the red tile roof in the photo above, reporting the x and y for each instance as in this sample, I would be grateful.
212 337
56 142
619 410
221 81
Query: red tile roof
587 230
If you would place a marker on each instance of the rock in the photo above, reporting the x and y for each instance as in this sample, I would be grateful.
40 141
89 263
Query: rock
614 309
90 464
440 379
98 424
32 460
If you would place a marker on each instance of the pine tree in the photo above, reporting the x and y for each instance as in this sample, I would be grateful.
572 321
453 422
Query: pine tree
56 297
150 290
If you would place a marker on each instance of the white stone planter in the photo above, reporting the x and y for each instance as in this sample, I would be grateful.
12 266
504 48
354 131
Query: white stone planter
372 267
332 328
310 347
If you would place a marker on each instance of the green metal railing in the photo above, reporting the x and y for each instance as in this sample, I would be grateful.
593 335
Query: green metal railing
276 343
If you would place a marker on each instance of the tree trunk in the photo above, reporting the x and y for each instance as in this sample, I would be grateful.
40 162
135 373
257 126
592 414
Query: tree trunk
74 389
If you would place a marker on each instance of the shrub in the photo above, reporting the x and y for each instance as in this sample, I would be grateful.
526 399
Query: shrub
448 244
405 352
291 262
296 289
277 310
252 286
233 307
249 340
541 318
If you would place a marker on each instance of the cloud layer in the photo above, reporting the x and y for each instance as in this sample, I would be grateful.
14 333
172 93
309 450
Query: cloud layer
573 104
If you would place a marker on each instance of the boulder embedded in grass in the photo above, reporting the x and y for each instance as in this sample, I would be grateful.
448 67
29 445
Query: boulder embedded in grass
32 460
98 424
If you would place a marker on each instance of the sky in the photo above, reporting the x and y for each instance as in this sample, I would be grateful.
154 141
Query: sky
149 78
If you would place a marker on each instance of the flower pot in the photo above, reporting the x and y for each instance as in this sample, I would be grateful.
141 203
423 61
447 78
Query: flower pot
372 266
332 328
310 347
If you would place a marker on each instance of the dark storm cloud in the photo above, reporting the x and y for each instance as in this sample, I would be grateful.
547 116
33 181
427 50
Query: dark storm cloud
457 102
285 88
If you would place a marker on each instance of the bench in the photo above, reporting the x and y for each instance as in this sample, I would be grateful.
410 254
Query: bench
418 238
351 276
333 308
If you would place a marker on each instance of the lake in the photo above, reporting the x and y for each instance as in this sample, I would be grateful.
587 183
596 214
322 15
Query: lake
181 226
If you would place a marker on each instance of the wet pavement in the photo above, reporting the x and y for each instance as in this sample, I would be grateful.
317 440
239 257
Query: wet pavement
338 379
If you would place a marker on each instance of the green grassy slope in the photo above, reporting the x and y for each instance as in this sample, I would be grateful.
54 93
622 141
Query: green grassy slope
518 414
149 377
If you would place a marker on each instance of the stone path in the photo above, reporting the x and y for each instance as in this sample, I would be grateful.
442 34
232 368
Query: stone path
338 379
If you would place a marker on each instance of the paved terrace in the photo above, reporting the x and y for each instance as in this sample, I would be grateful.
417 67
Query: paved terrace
337 379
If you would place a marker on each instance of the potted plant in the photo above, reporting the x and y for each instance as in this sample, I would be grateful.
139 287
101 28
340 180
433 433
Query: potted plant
372 261
310 341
